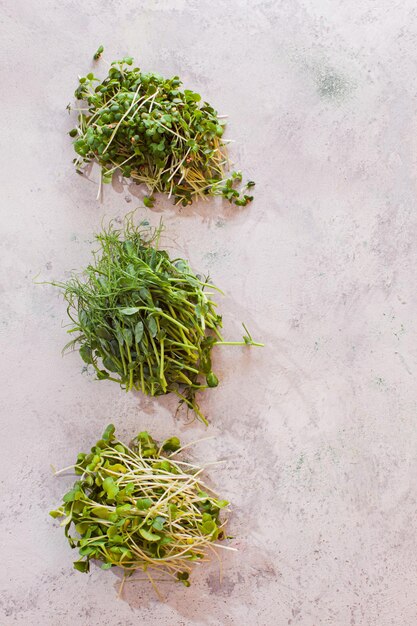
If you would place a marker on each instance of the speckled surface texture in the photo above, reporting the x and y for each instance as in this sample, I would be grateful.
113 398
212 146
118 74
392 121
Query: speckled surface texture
318 429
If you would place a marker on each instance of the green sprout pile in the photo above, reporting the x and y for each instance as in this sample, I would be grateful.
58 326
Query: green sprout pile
140 508
144 320
155 133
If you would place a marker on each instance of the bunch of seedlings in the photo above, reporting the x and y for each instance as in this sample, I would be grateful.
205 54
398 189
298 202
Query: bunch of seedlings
139 507
144 320
154 132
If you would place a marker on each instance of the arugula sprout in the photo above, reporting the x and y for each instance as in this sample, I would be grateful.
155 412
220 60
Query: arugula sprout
155 133
144 320
139 507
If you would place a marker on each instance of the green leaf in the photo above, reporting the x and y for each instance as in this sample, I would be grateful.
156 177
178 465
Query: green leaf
173 510
126 553
183 577
138 332
128 337
110 488
98 53
108 433
116 467
86 354
82 527
191 95
81 147
110 365
143 504
171 445
87 551
129 489
152 326
209 526
119 334
145 294
103 333
112 531
212 380
101 512
130 310
148 201
221 503
158 522
146 534
164 465
165 541
82 566
56 514
123 510
72 495
106 566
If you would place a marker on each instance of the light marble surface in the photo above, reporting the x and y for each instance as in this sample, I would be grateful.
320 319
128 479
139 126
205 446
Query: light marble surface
318 429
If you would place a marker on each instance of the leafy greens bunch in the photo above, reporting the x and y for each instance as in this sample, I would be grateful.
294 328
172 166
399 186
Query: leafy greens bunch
155 133
144 320
140 508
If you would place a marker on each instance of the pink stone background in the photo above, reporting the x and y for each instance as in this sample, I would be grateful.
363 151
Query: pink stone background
319 429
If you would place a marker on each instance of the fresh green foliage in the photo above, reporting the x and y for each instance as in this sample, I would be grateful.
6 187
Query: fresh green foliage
140 508
155 133
144 320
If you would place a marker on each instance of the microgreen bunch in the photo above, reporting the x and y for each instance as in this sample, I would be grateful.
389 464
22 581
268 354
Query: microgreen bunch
144 320
140 508
155 133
